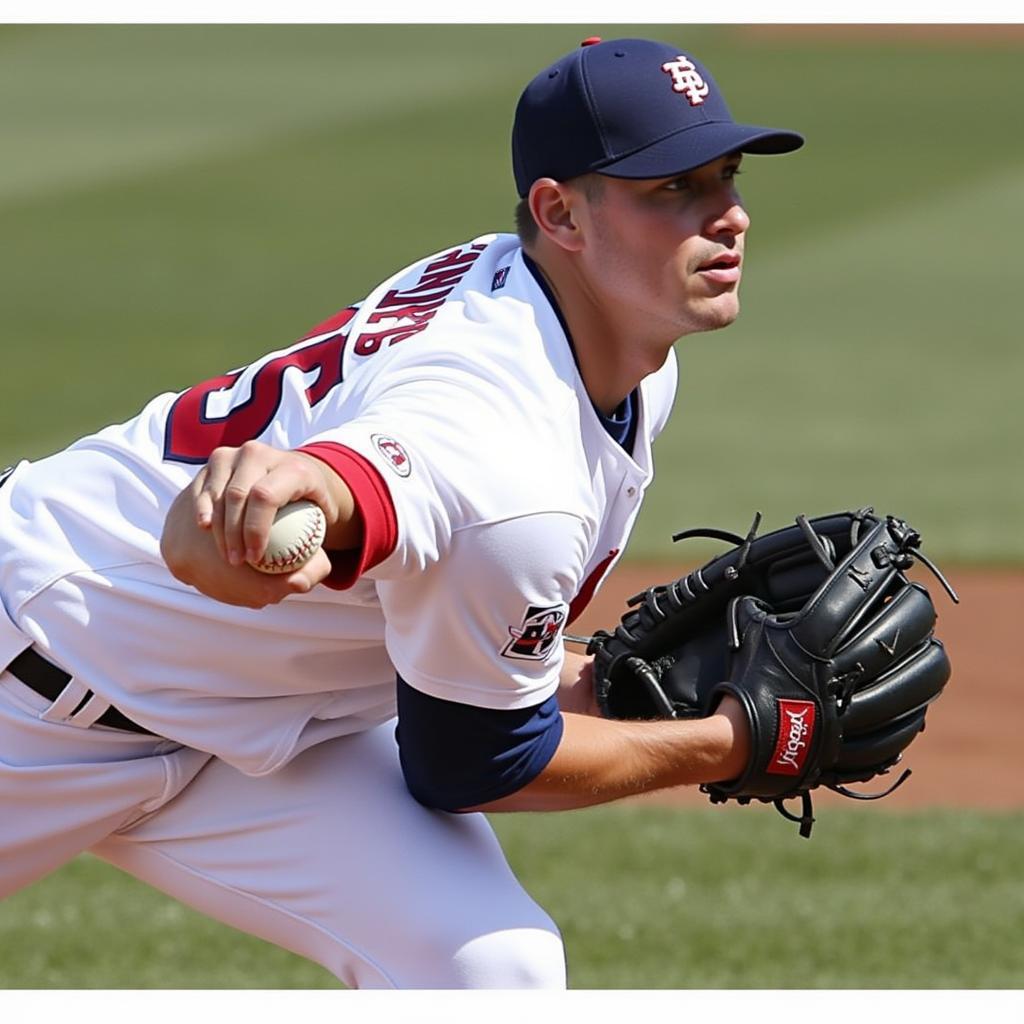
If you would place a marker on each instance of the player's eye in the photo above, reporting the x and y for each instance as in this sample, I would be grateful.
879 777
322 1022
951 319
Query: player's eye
677 185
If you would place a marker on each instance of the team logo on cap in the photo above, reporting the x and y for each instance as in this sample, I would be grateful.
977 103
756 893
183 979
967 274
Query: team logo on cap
396 455
686 79
537 635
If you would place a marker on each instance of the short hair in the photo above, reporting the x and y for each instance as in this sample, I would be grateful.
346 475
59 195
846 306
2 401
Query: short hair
527 228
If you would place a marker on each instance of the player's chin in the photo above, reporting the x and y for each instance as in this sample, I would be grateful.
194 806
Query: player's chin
719 312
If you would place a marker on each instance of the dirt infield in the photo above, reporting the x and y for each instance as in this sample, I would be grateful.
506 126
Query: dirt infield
971 753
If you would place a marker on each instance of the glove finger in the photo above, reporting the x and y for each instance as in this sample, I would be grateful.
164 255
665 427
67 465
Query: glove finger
783 569
896 629
790 575
908 687
870 753
779 567
840 604
788 584
743 613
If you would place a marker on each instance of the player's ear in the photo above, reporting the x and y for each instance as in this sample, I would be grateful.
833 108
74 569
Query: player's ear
552 205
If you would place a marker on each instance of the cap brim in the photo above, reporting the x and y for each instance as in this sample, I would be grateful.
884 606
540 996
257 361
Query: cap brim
699 145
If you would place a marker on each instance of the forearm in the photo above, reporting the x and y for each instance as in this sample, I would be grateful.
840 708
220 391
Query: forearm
599 760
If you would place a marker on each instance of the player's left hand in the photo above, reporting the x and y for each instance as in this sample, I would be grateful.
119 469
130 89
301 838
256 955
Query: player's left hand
827 647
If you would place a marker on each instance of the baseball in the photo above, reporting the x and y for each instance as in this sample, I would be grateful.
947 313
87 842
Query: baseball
298 530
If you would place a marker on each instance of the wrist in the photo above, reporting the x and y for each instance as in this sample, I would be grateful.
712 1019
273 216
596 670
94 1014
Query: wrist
344 523
576 686
732 731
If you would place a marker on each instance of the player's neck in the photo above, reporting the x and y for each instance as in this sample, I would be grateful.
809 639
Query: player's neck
613 355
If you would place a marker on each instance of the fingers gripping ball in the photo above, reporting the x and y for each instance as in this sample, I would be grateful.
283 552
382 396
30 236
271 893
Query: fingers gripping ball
818 634
298 530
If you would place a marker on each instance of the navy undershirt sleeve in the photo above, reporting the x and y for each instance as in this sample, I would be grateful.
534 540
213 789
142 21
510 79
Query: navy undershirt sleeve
456 756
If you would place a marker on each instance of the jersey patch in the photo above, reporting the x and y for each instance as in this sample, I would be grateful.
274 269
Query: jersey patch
398 458
499 279
534 638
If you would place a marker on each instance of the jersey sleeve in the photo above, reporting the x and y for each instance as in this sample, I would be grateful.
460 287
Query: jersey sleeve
483 626
411 453
463 499
403 474
426 455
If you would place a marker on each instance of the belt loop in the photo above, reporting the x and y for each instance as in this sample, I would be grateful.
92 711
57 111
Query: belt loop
77 705
69 701
88 712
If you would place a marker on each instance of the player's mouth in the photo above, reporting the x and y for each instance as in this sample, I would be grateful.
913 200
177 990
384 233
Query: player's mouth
722 269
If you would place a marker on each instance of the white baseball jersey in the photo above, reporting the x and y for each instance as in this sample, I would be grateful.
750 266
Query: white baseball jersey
493 499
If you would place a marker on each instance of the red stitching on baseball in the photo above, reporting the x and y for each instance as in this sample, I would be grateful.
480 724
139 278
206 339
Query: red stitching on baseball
304 544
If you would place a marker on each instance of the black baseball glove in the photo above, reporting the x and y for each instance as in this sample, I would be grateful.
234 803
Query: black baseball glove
814 629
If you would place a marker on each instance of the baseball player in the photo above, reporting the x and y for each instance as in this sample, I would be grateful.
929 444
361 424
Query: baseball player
478 432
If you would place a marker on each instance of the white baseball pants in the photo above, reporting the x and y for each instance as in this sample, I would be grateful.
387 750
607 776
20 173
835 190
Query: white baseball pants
329 857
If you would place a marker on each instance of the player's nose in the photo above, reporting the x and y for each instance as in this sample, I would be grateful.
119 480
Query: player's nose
731 218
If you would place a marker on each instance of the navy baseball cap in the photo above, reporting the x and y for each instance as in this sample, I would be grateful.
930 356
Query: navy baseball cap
628 108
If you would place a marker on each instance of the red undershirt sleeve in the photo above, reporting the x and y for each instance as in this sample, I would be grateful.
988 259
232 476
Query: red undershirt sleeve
374 505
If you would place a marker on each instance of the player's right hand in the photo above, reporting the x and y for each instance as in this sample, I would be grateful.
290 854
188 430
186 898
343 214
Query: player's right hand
192 555
222 521
238 492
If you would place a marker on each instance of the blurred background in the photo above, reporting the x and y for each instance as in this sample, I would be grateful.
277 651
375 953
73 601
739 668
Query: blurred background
176 200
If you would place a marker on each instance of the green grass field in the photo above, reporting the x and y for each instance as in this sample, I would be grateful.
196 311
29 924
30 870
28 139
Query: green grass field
646 898
177 200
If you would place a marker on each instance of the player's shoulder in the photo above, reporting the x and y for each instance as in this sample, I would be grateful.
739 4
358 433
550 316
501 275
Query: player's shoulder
471 312
412 301
499 454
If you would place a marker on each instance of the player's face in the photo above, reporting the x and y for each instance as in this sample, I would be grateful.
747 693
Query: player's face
671 249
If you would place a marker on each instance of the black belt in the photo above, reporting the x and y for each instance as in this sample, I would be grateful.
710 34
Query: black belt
49 681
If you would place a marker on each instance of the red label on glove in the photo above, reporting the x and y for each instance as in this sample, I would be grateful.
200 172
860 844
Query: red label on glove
796 730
